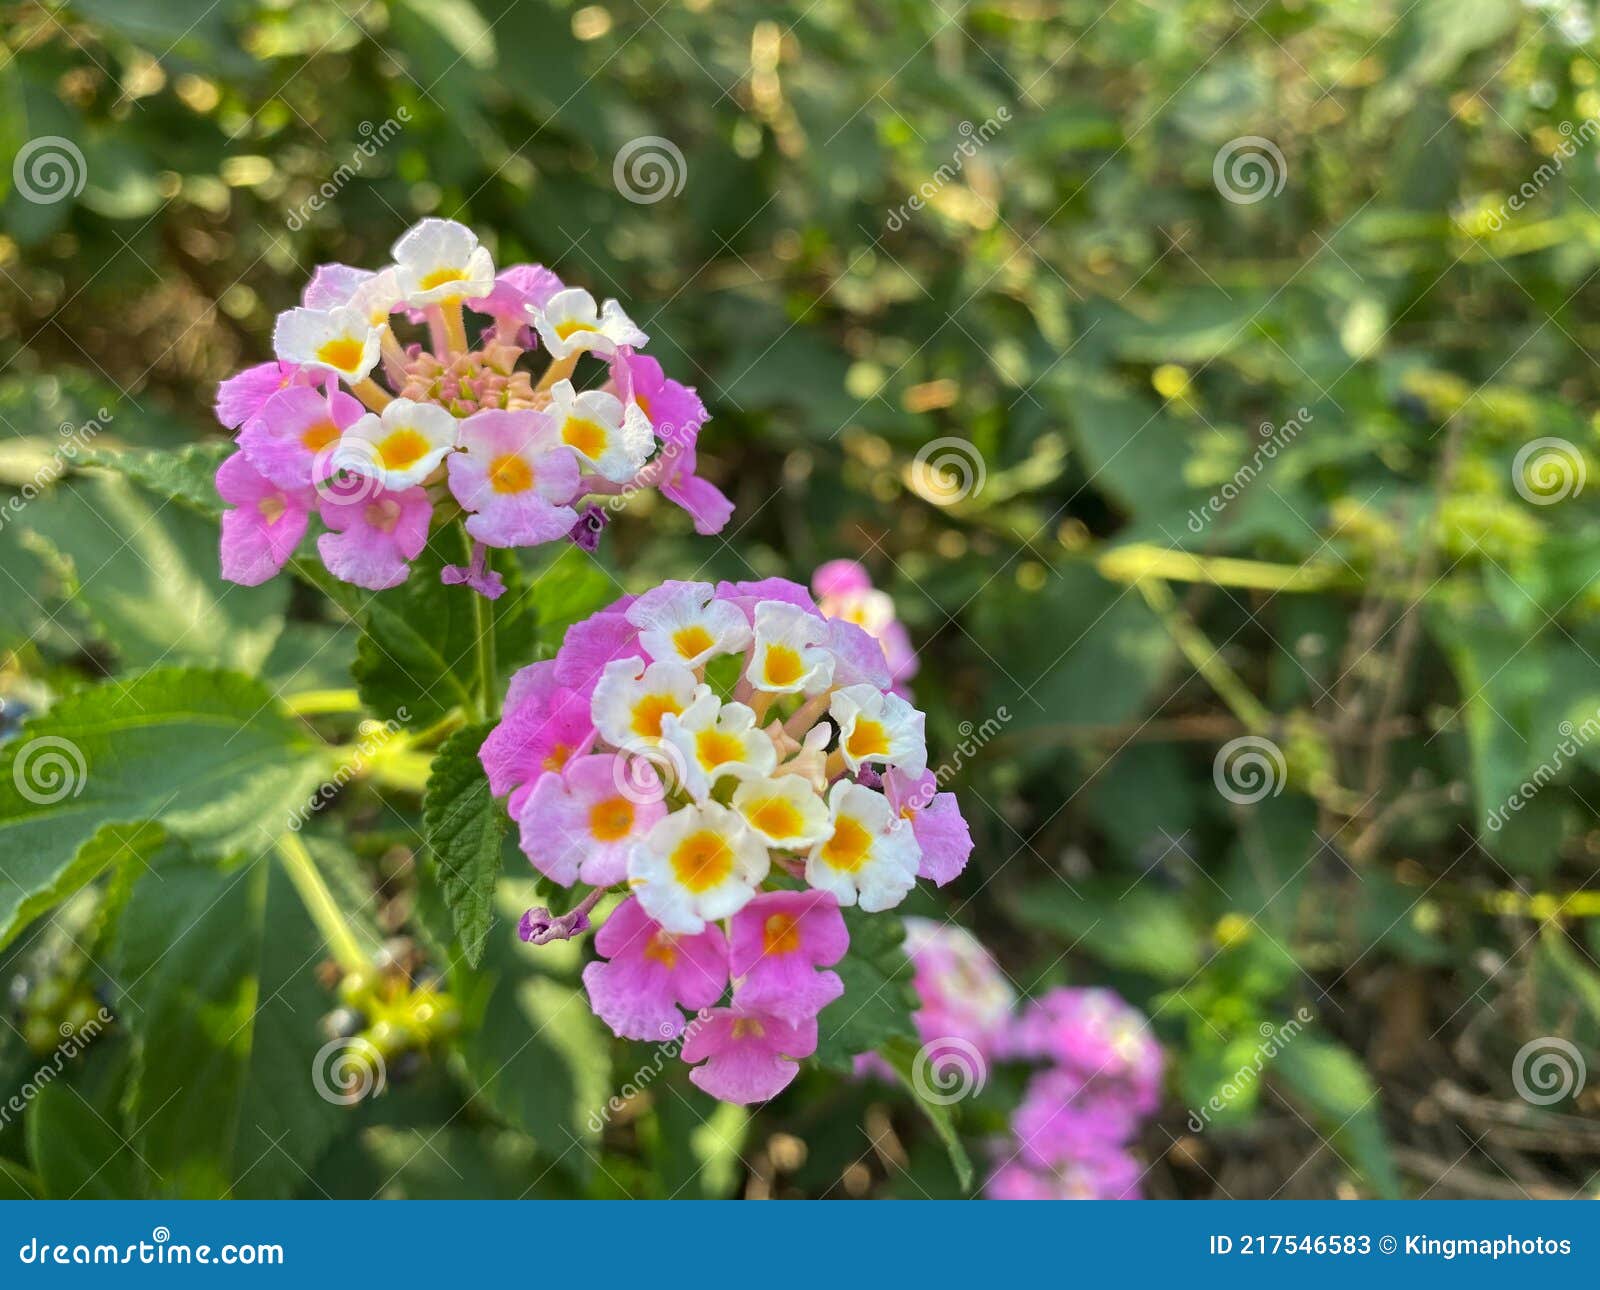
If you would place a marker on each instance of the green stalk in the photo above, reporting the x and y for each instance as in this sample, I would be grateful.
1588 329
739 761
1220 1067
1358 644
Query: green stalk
320 904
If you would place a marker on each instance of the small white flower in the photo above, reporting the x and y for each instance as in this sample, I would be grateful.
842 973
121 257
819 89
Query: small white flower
871 857
340 341
631 699
378 296
438 260
399 447
612 440
569 324
684 622
786 811
879 727
717 739
789 655
698 864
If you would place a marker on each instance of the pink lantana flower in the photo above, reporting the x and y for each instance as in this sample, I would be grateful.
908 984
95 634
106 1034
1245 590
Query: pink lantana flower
936 823
292 439
674 410
649 972
515 479
373 535
844 591
265 525
243 395
579 823
747 1057
778 943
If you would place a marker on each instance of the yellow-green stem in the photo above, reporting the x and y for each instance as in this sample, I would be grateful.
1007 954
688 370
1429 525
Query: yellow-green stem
1204 657
320 904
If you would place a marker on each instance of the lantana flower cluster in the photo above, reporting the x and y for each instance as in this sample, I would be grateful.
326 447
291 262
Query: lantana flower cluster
740 763
1098 1069
385 440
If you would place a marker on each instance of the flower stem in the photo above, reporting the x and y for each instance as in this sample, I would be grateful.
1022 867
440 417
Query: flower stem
483 622
320 904
317 702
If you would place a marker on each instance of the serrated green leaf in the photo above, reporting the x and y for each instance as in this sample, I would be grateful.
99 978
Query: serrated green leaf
208 755
878 998
186 474
463 826
1334 1086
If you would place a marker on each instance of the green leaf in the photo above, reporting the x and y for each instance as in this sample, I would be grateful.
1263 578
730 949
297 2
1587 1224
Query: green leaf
532 1046
209 755
463 826
146 573
186 474
1143 927
1334 1086
218 976
77 1152
878 999
901 1054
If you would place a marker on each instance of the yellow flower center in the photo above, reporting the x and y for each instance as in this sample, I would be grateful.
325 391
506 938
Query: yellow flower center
868 739
776 817
317 437
557 757
402 448
781 934
649 710
343 353
702 861
743 1026
439 277
566 329
382 515
692 641
663 948
782 665
611 819
272 507
584 436
717 748
510 474
847 849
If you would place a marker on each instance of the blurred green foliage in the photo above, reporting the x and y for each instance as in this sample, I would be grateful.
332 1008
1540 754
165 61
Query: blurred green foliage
1398 599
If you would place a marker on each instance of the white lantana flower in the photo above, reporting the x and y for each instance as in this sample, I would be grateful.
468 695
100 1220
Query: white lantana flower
631 699
871 857
399 447
700 863
789 655
612 440
340 341
682 621
786 811
438 260
879 727
717 739
570 324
